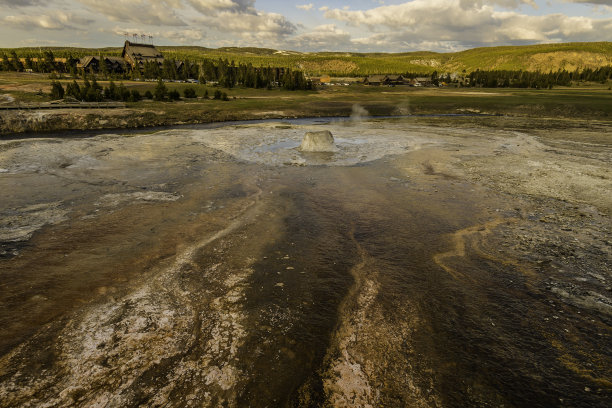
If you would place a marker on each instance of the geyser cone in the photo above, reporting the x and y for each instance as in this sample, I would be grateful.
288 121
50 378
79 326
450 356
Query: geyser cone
321 141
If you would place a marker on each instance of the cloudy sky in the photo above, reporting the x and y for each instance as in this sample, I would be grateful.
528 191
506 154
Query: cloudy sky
310 25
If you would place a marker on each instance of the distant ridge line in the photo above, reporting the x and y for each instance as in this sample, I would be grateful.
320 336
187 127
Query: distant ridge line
538 57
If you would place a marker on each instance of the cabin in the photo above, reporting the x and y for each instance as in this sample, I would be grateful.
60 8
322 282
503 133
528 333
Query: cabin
374 80
421 81
388 80
93 64
136 54
392 80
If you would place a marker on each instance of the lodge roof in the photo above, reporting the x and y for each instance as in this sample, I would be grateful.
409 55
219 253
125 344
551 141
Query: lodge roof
141 52
383 79
116 64
86 61
376 78
117 60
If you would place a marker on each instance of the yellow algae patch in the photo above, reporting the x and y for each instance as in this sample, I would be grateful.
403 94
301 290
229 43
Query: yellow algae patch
473 237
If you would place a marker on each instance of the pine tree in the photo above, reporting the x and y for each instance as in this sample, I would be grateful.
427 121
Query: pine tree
15 62
160 90
74 90
57 91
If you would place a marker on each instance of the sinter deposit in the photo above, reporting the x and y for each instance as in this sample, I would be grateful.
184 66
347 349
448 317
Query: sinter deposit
454 265
321 141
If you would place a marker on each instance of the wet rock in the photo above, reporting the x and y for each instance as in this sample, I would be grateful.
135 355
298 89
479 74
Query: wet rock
322 141
20 225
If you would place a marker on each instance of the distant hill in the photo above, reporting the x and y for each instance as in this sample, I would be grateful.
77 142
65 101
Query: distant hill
542 57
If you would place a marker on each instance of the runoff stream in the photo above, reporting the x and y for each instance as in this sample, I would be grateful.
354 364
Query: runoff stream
414 266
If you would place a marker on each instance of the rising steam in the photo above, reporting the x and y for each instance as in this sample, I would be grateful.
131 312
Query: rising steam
359 113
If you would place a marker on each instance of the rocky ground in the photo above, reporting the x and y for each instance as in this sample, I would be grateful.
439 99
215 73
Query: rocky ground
429 263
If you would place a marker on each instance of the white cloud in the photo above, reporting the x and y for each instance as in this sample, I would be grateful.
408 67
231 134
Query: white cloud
208 6
240 20
20 3
56 20
36 42
259 25
421 17
225 20
509 4
378 41
188 36
597 2
151 12
325 37
467 24
305 7
441 25
181 36
127 31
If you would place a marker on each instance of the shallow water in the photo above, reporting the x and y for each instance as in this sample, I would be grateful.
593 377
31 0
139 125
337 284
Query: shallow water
222 267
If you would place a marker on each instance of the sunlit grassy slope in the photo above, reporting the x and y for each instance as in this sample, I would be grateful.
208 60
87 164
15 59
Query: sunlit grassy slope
543 57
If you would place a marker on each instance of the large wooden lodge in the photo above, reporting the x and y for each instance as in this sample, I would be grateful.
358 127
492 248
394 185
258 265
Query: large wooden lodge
133 56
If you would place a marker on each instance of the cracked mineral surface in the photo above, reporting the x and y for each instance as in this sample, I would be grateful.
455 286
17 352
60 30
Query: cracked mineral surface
416 265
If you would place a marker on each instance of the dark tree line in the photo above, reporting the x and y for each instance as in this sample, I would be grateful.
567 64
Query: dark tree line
91 91
538 80
601 74
44 64
226 74
170 69
230 75
520 79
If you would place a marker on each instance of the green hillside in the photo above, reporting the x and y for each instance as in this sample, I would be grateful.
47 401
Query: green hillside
543 57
